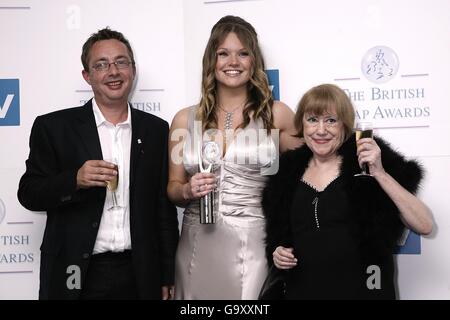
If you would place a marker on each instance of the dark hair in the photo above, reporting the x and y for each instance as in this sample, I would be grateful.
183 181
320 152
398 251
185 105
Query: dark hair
103 34
259 93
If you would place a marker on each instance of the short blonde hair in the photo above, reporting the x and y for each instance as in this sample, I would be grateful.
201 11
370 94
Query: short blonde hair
323 99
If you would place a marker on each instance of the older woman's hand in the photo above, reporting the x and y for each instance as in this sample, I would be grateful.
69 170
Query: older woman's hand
369 152
283 258
199 185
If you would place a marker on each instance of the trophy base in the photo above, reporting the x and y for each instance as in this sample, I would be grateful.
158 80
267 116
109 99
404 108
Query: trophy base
207 221
207 209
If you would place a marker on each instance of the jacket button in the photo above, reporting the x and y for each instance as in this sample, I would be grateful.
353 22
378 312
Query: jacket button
86 255
94 224
66 198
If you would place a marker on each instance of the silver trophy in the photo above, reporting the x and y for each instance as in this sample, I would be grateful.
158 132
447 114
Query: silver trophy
211 154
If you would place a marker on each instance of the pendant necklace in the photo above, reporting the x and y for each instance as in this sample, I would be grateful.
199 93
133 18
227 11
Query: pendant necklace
228 124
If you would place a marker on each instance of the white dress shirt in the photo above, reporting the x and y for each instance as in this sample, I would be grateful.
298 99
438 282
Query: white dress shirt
115 140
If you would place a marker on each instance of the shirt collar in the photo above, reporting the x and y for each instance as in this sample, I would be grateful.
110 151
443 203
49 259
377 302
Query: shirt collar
100 119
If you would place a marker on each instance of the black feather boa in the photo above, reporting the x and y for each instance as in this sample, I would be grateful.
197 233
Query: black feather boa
378 224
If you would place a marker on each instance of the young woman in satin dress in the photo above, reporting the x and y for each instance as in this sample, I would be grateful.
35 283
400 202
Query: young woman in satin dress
226 260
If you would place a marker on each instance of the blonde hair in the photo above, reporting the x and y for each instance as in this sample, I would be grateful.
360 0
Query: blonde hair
322 99
260 100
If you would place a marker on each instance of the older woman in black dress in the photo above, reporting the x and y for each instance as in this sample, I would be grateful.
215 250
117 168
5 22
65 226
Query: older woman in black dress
332 231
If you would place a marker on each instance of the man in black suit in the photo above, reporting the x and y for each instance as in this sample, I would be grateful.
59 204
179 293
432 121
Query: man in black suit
94 247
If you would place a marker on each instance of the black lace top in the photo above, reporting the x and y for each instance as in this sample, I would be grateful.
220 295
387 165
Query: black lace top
329 265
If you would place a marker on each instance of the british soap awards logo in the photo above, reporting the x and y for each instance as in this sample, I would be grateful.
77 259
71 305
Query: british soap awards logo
2 211
274 83
9 102
380 64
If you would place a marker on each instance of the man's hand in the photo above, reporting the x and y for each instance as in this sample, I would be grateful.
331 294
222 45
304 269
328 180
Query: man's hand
95 173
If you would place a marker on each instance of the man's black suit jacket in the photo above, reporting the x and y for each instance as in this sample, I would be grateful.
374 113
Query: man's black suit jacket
60 143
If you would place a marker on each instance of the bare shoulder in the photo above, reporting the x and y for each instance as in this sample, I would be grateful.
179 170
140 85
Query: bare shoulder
282 115
283 119
180 120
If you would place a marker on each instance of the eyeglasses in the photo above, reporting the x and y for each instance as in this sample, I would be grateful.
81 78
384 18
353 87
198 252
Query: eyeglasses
329 121
102 66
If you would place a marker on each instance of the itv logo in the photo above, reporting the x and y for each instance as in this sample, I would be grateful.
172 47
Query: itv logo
9 102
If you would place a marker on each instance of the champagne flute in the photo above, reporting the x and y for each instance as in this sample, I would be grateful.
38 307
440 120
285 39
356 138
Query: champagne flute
112 184
364 130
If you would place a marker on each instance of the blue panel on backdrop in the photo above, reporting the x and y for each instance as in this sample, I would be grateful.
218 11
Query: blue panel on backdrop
410 244
274 83
9 102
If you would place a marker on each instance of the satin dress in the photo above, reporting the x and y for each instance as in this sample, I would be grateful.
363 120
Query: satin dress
226 260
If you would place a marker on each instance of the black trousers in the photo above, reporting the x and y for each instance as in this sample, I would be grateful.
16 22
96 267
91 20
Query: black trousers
110 276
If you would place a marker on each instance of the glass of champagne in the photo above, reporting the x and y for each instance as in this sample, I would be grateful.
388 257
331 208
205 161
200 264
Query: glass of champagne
112 184
364 130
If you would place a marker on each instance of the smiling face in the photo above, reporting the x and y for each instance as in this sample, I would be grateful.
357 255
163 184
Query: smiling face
113 86
324 118
323 134
233 63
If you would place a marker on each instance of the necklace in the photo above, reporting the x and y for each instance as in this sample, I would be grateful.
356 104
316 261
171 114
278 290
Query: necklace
228 124
316 217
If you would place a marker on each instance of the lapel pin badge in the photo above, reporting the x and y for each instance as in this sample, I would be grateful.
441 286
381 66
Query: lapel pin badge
139 141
